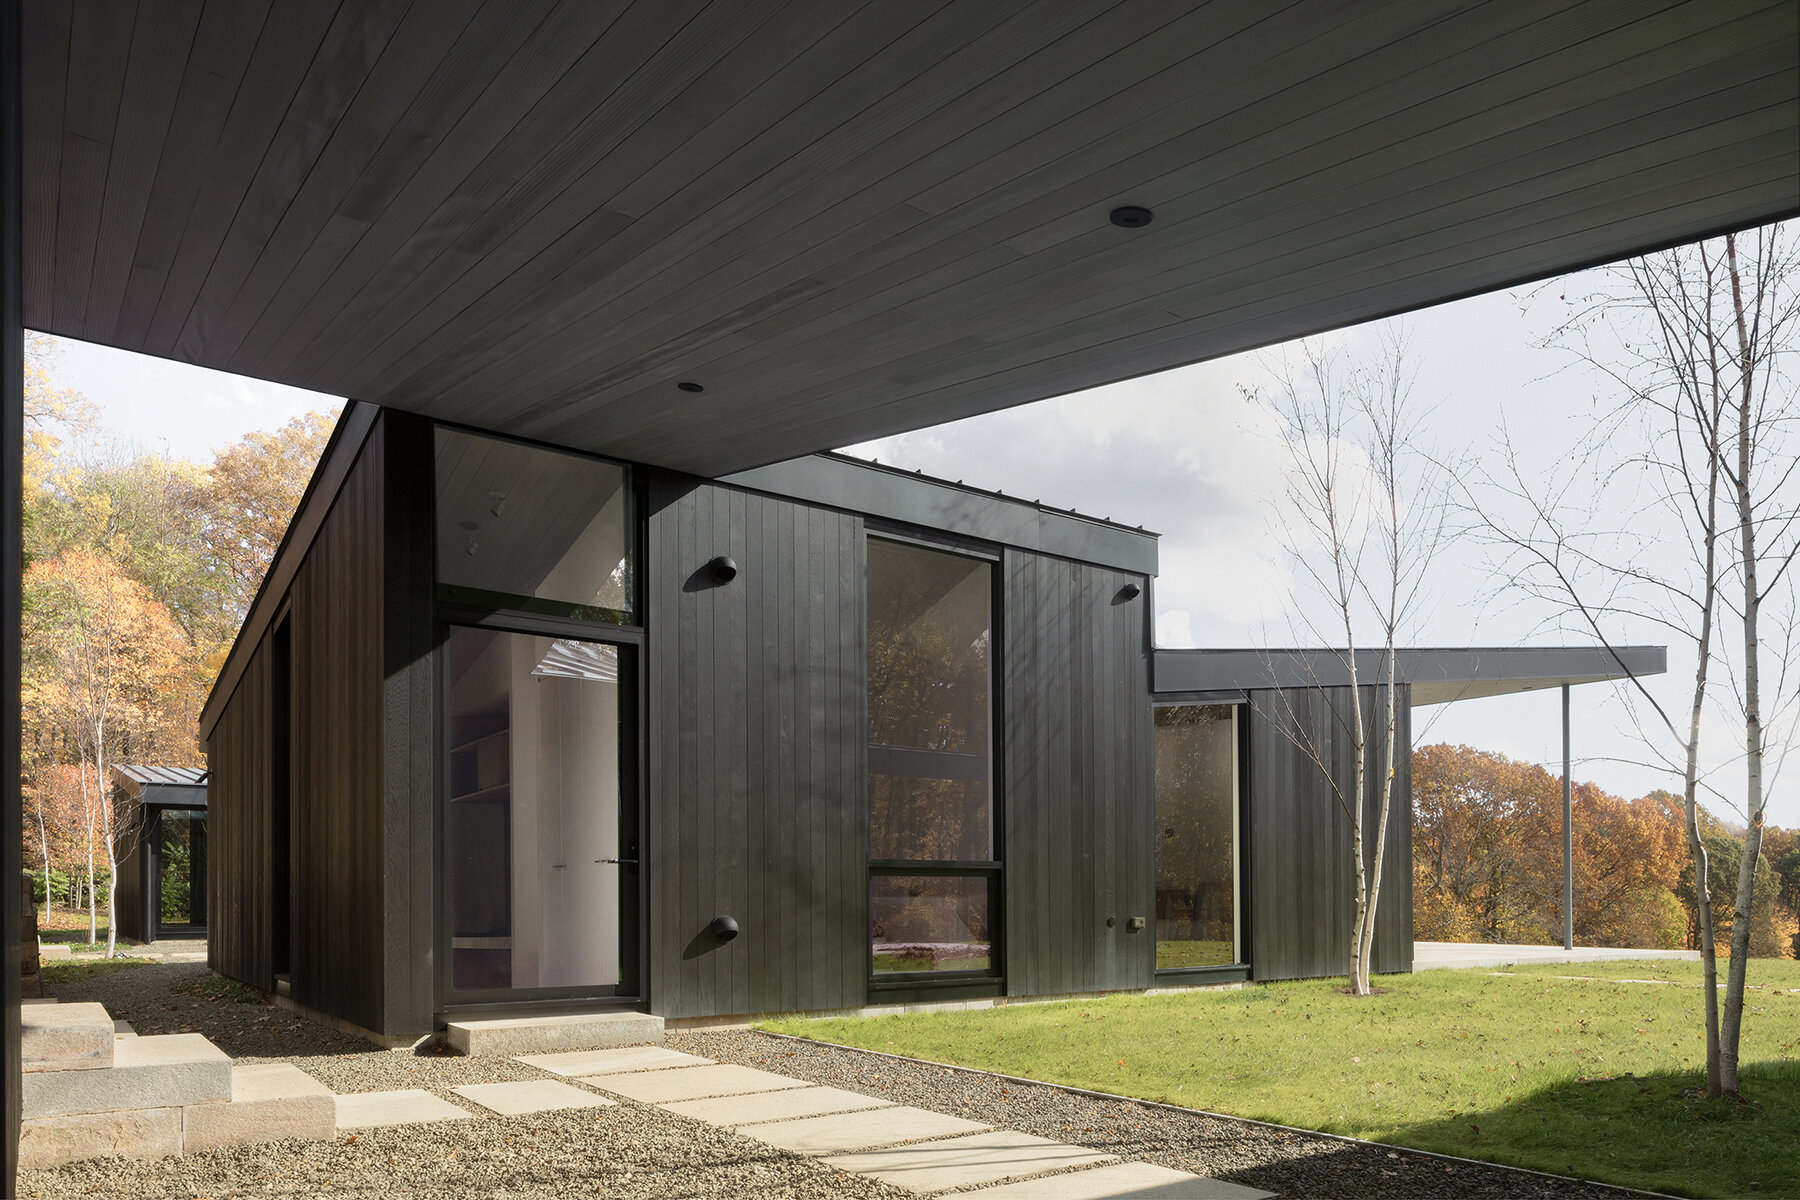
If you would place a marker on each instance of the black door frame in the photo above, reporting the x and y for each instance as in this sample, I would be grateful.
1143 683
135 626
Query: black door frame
634 909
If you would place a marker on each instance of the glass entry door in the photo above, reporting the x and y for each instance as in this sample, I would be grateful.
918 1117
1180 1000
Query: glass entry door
540 844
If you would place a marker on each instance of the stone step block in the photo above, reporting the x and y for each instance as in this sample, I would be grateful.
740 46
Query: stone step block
55 953
65 1037
136 1133
170 1070
507 1036
268 1101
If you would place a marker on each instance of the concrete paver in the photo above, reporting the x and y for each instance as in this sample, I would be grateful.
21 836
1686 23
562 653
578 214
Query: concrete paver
529 1096
409 1106
964 1161
612 1062
1121 1181
859 1130
691 1083
774 1106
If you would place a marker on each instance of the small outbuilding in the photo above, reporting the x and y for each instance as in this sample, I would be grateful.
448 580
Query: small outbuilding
161 851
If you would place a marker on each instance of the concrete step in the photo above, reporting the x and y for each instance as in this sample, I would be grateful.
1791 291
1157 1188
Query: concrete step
268 1101
134 1133
507 1036
65 1037
166 1071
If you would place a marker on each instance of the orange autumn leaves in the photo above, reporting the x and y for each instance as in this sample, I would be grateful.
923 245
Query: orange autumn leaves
1487 858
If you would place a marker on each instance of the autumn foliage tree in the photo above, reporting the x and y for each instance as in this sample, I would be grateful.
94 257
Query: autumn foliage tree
111 668
139 570
1487 860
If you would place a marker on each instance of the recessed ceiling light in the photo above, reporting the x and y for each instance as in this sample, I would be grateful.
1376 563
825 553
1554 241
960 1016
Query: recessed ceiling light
1131 216
690 386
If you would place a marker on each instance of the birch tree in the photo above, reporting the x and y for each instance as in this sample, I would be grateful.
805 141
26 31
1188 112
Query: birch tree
1363 517
1697 456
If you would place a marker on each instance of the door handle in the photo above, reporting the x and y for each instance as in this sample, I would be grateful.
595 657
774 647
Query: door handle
624 862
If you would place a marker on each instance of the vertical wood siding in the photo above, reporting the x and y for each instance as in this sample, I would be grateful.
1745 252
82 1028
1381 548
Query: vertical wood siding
1078 774
1302 883
337 753
337 781
757 730
237 882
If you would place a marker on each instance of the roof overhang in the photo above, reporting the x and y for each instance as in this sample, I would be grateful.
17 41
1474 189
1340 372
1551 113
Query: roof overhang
1436 676
915 499
847 220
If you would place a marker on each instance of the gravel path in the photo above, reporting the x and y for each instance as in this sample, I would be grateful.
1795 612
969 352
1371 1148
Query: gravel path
1293 1165
629 1151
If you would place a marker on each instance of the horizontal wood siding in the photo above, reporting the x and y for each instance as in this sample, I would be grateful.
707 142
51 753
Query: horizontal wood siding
1302 881
1078 778
757 731
237 828
338 754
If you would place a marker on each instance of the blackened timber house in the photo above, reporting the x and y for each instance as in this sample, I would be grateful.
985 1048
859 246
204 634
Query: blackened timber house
514 726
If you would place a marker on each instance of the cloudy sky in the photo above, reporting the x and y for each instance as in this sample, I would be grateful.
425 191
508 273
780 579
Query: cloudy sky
1186 454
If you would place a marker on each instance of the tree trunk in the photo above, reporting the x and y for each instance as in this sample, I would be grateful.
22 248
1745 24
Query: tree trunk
112 853
1754 799
44 847
1367 949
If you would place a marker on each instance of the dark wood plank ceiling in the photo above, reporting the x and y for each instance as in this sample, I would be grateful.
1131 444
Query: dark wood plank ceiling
848 219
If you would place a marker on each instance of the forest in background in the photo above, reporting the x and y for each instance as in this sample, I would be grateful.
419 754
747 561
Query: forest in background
1487 862
139 568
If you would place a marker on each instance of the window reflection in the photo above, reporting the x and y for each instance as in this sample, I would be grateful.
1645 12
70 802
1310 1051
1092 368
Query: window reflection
1196 836
930 923
533 823
521 520
930 622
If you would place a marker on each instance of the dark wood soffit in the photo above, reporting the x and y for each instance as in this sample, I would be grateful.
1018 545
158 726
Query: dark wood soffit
352 430
848 220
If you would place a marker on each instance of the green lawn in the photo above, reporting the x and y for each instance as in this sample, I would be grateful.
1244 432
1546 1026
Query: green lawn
1579 1078
85 969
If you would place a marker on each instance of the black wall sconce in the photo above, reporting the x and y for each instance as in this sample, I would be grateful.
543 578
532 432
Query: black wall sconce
1130 591
724 928
723 569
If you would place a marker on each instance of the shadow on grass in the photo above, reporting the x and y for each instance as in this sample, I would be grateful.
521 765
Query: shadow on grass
69 937
1657 1132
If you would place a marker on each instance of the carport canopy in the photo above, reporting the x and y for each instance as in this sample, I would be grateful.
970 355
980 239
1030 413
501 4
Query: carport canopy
1435 675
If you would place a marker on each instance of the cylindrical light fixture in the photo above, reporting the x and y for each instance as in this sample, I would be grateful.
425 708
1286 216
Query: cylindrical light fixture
724 928
723 569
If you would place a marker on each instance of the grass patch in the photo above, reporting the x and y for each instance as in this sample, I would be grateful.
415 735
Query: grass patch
1763 974
212 987
1173 956
78 972
1574 1077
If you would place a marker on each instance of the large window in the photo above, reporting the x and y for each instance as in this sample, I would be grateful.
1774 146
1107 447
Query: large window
1197 837
549 531
540 877
933 860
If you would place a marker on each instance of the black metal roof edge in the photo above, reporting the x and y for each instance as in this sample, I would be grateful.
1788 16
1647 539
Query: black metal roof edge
1221 668
1051 510
876 489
